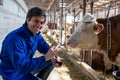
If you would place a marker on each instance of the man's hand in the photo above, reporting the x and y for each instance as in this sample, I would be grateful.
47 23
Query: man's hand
56 62
52 52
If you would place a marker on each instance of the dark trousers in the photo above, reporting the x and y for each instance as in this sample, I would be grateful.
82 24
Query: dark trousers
44 73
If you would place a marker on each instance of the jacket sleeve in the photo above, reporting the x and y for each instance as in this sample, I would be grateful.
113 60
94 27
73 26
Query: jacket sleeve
42 45
22 60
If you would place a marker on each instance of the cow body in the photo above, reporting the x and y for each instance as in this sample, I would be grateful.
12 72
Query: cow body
114 52
115 39
88 35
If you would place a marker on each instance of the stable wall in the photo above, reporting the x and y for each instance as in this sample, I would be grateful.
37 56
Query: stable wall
12 16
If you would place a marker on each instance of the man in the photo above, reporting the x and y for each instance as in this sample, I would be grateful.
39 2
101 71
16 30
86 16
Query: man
19 46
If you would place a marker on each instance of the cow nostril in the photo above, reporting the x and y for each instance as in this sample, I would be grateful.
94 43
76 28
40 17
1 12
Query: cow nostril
68 43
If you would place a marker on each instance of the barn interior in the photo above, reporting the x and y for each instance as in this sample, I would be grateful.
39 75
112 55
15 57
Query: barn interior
62 18
56 8
60 10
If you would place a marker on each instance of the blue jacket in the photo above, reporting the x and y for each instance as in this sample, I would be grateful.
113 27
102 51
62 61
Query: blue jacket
17 52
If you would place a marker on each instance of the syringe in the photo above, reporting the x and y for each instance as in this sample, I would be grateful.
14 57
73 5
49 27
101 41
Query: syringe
58 46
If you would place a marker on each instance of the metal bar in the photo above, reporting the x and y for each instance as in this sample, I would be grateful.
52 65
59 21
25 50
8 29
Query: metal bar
90 58
84 7
91 5
83 56
54 16
61 22
109 9
108 34
65 30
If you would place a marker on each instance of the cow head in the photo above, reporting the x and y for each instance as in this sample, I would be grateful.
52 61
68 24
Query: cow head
85 34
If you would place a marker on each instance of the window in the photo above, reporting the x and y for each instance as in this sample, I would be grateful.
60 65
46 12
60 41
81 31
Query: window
1 2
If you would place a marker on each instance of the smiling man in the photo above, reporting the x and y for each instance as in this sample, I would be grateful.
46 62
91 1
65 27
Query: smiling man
19 46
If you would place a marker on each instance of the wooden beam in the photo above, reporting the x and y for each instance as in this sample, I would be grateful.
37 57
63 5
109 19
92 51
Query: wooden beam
51 5
85 69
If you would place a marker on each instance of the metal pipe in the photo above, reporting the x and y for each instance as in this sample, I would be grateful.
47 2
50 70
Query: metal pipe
61 22
91 5
51 4
65 30
54 15
84 7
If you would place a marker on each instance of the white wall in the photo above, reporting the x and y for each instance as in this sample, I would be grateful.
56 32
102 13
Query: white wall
12 16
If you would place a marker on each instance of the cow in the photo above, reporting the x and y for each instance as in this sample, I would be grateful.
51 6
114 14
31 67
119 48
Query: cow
52 25
44 29
91 34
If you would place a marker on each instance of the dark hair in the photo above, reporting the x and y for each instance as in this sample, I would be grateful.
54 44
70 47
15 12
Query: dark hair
35 12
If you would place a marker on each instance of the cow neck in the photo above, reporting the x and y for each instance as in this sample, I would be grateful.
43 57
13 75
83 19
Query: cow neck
115 31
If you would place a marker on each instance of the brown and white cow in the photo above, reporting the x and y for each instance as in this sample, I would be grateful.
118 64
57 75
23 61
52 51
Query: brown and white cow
52 25
91 34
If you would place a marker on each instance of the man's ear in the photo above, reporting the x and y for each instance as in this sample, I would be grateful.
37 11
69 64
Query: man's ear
98 28
27 19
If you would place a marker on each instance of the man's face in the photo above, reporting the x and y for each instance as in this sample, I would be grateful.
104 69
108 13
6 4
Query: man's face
35 23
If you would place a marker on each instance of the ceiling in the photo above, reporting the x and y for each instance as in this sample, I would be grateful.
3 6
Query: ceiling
46 4
71 5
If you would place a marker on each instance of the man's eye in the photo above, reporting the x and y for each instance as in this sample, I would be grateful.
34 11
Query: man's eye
36 21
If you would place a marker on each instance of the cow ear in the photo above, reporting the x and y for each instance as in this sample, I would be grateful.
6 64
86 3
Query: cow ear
98 28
